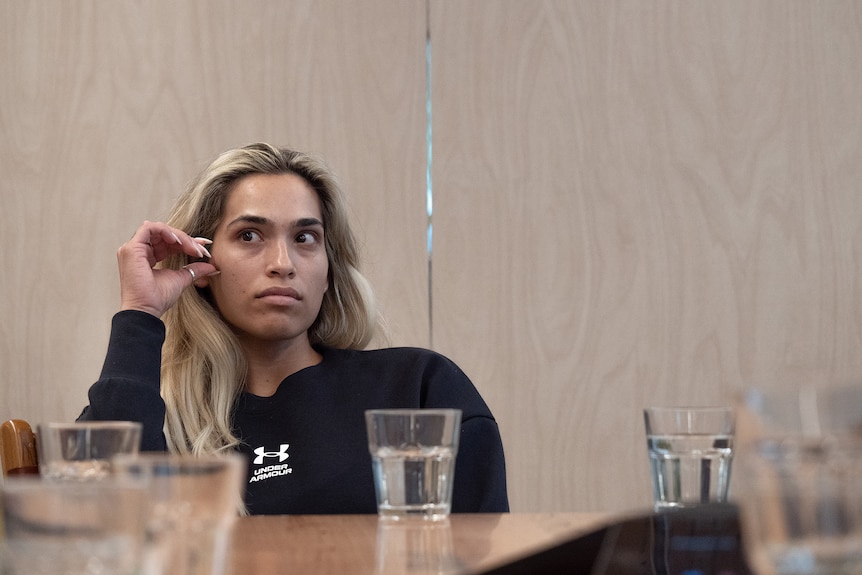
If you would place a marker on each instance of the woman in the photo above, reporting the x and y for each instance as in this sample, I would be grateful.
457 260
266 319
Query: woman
264 354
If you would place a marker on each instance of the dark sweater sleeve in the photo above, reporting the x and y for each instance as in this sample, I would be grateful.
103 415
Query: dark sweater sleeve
129 387
480 467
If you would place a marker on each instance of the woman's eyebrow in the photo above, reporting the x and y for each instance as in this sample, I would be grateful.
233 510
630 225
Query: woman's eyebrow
264 221
250 219
308 223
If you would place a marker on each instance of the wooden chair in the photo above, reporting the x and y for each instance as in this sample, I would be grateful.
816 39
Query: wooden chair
18 448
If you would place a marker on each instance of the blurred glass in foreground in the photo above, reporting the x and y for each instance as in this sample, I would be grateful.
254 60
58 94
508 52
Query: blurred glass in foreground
802 464
66 528
192 504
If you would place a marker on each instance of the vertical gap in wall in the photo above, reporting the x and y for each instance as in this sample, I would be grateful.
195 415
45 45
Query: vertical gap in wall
429 194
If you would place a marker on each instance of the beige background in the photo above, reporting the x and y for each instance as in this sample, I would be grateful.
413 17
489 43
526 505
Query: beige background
634 202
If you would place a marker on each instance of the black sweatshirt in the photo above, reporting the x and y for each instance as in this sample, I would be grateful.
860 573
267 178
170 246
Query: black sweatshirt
307 444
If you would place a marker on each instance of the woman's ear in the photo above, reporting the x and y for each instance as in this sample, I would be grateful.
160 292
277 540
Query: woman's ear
204 281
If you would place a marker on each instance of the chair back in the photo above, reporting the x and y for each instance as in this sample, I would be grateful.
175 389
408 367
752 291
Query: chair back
18 448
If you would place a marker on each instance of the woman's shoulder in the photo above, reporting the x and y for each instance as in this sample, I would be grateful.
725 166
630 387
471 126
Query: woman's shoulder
389 356
411 375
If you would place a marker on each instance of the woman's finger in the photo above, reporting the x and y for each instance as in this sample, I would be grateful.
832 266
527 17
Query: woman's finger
145 287
165 240
198 271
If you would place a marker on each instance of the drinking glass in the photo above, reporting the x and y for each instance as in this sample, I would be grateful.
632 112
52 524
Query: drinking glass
193 502
801 461
72 528
82 451
690 453
413 455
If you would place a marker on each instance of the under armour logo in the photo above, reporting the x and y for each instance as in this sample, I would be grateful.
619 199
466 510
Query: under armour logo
281 453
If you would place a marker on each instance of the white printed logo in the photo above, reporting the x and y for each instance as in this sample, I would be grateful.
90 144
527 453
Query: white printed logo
262 453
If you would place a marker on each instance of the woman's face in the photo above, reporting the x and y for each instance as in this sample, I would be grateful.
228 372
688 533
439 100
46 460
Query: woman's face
270 251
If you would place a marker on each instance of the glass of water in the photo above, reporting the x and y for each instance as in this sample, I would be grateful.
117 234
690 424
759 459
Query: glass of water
801 469
413 456
72 527
690 453
192 504
82 451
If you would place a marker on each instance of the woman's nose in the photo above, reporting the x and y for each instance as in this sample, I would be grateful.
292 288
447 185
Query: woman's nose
280 262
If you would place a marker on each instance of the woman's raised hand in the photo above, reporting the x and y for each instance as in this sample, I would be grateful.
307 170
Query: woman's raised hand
144 288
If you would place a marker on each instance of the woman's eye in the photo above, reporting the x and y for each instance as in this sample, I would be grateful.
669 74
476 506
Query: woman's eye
306 238
249 236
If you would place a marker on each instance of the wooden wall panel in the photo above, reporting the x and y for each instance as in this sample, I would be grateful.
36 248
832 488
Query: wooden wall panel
108 109
641 203
634 202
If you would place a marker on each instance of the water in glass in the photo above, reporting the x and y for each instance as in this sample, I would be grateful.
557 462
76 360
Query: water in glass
690 469
416 481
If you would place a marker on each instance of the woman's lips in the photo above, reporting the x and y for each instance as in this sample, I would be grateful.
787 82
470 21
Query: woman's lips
280 295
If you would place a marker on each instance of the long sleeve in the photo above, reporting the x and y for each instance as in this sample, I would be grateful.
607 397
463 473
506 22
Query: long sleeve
128 388
480 469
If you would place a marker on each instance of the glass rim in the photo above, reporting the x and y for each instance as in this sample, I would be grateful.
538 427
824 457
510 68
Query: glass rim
91 425
414 411
690 408
693 420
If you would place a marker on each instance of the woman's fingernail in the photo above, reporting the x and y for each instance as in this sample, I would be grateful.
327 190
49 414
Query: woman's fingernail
177 238
215 273
199 245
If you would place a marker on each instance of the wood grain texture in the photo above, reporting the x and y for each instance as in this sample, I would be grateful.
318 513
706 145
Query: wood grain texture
359 544
634 202
108 109
641 203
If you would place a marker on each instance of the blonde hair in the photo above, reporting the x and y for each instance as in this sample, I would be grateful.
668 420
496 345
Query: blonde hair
203 368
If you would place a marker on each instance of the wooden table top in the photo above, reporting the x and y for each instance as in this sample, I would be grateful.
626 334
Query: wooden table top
362 544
